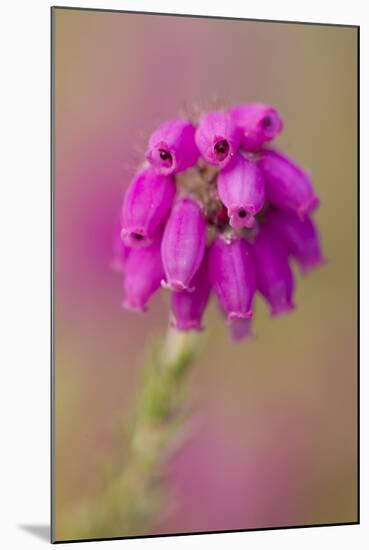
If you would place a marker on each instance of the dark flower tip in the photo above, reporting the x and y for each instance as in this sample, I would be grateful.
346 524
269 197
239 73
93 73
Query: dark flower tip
267 122
271 124
166 157
134 238
221 149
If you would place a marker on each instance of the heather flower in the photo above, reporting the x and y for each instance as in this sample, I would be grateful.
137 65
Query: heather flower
287 185
146 205
183 244
241 189
299 235
188 306
217 138
142 277
242 213
259 124
172 147
233 278
274 276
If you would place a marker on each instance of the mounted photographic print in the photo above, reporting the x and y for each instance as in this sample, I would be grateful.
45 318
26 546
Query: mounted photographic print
205 274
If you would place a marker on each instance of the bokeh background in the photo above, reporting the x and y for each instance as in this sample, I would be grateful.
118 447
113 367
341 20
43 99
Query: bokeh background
273 439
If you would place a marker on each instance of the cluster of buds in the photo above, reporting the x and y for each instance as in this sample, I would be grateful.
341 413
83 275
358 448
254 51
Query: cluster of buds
215 209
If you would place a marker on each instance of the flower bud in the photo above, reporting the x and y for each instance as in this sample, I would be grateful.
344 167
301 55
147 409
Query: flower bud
172 147
233 278
287 185
146 205
143 274
274 275
217 138
241 189
259 124
300 236
183 244
188 306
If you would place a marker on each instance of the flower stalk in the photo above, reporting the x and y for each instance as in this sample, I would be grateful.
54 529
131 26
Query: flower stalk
134 494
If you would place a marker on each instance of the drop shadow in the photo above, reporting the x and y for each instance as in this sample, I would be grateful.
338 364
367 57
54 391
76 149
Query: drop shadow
40 531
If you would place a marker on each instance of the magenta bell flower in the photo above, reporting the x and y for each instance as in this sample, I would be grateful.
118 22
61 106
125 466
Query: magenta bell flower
143 274
259 124
183 244
242 212
233 278
241 189
274 276
299 235
172 147
287 185
188 306
217 138
146 205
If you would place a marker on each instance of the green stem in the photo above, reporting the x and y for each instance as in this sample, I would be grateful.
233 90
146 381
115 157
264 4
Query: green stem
134 494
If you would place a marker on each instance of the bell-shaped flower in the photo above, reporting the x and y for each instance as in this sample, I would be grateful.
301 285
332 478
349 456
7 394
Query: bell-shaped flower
183 244
146 205
142 276
287 185
301 237
259 123
274 275
233 278
172 147
188 306
241 189
217 138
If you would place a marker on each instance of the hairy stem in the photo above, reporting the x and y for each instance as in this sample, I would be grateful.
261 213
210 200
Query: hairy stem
133 496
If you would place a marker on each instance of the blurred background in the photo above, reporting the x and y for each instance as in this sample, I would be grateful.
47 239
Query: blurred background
273 439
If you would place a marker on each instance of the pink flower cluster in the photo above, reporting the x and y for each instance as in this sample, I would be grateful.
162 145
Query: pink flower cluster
214 209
